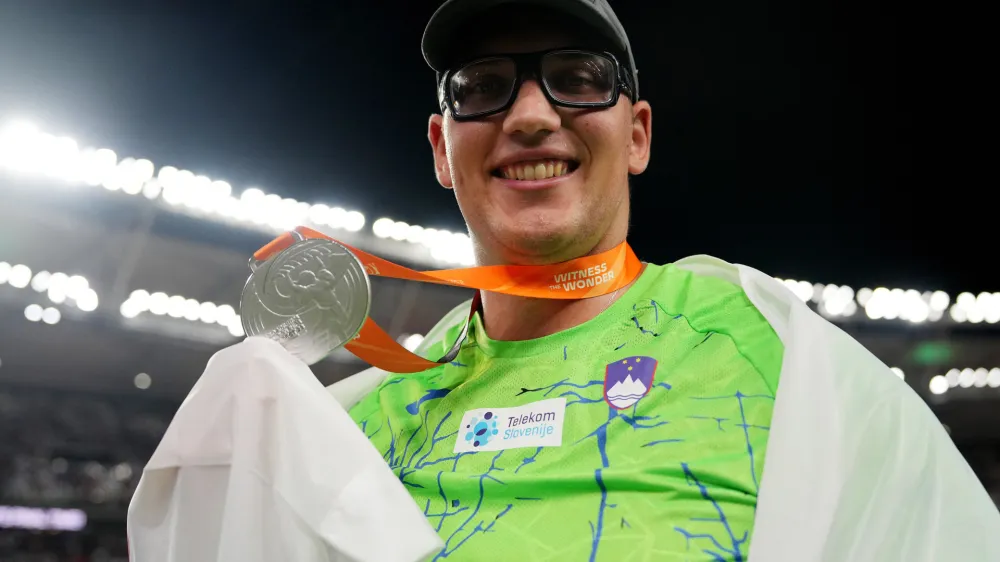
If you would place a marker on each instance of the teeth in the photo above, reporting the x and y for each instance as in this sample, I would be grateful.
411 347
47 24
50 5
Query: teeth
539 170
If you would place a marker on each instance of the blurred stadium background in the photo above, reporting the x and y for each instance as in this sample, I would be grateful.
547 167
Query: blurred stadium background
120 272
104 333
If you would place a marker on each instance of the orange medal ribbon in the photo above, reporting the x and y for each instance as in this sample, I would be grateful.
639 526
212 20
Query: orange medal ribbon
581 278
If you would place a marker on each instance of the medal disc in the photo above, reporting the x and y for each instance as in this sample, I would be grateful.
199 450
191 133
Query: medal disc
312 298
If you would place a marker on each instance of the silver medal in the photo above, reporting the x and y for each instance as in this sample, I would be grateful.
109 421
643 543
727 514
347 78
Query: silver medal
312 298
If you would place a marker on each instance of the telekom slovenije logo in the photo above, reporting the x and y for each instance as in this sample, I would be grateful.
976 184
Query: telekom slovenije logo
481 430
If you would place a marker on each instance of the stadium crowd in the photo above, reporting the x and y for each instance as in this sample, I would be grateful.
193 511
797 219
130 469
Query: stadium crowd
63 450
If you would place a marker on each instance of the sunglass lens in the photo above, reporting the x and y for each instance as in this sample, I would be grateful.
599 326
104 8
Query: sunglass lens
579 77
482 86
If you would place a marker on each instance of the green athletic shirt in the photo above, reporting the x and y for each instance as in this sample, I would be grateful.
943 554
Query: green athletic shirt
670 473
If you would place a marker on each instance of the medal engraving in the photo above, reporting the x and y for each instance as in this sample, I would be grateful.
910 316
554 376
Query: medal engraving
312 298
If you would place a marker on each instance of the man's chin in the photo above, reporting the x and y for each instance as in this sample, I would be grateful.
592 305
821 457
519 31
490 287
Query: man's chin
538 244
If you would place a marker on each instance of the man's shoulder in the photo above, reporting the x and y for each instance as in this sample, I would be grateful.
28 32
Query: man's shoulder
714 304
702 298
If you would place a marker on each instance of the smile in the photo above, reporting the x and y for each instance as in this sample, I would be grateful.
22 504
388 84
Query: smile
536 170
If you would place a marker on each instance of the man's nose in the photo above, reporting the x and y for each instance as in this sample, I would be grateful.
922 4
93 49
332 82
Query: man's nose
531 114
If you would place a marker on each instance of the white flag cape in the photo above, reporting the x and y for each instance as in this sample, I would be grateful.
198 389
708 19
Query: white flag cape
259 465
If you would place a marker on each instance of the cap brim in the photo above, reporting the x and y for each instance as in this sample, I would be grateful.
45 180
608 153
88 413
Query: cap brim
446 21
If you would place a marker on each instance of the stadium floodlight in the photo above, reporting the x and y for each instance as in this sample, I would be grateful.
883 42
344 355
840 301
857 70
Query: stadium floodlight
20 276
42 519
969 377
141 301
25 149
33 312
49 315
976 309
892 304
58 287
382 227
993 378
448 247
883 303
142 381
938 385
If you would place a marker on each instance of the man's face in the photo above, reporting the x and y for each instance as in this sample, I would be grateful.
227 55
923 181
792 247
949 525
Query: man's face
557 218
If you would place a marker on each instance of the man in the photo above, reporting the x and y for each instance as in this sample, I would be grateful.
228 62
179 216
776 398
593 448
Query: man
694 363
667 385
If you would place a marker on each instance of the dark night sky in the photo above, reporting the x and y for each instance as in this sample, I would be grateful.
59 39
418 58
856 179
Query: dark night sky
808 139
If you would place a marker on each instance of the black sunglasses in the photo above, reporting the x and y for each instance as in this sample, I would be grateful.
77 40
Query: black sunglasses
569 78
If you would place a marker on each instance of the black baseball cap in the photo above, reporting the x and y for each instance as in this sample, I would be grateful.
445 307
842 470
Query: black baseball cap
449 19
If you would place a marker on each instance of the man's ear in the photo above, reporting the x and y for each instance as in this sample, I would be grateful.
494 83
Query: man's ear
642 136
435 134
